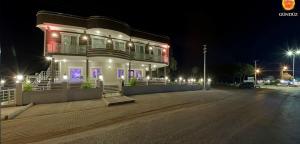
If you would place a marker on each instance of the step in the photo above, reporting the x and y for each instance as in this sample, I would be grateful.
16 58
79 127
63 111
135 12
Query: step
116 100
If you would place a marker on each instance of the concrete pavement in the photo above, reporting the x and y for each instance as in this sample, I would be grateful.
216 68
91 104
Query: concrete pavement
54 120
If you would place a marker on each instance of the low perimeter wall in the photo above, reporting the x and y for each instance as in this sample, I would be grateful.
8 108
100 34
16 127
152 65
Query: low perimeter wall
54 96
135 90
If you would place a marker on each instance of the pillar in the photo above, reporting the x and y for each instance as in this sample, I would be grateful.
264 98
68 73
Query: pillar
18 94
87 70
150 71
52 70
129 70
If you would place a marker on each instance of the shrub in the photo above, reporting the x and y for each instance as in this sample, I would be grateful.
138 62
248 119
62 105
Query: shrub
132 82
86 85
27 87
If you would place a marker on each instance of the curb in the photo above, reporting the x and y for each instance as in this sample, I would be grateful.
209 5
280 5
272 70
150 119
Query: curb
16 113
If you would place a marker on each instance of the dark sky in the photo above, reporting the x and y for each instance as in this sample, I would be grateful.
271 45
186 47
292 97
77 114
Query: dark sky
239 31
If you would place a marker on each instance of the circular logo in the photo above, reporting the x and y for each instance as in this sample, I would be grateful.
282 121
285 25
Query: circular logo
288 4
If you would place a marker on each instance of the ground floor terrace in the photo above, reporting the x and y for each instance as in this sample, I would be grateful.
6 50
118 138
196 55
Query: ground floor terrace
109 69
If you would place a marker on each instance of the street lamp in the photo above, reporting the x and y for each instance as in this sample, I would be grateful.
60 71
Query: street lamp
293 53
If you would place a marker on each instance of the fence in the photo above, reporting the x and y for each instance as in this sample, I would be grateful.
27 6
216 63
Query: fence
8 96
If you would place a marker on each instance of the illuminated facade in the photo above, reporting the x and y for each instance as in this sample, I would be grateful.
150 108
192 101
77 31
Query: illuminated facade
82 48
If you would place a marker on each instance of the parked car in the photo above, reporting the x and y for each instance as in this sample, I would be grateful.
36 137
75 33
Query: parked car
246 85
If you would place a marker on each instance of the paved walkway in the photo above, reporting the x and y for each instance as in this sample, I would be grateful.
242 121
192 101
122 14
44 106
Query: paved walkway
10 110
53 120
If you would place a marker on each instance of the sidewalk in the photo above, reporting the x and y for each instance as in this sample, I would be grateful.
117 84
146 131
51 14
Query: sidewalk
52 120
11 112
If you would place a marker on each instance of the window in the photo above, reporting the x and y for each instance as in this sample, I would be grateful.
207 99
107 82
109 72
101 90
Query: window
95 72
138 74
120 73
119 45
75 74
98 42
69 42
139 48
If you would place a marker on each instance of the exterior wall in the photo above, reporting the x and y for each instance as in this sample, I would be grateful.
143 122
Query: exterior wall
108 70
135 90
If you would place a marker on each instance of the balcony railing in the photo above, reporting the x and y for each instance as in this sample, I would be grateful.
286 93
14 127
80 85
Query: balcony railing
93 52
66 49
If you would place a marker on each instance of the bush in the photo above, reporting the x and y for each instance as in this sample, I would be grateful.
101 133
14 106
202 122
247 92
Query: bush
27 87
86 85
132 82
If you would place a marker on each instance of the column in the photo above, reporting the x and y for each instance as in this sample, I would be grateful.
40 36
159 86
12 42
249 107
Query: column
165 71
129 70
87 70
18 94
52 70
150 71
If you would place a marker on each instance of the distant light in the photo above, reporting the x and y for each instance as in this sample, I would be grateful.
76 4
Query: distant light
127 64
54 35
297 51
154 66
109 41
2 81
56 61
285 68
257 71
150 48
209 79
180 78
85 37
289 53
19 77
101 77
97 32
166 78
142 65
110 60
201 80
64 60
130 44
120 36
164 50
17 81
48 58
147 68
65 77
122 77
148 77
109 67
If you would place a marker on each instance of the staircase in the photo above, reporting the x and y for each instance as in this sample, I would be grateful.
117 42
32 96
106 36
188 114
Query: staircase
111 90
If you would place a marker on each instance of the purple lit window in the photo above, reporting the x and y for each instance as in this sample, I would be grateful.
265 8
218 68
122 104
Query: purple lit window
96 72
75 73
120 73
138 74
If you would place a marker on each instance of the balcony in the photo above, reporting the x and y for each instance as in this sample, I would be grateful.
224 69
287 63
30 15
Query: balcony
66 49
80 50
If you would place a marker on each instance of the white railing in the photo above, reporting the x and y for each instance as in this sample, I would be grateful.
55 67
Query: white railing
8 96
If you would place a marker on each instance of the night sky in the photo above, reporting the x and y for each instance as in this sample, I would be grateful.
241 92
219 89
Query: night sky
234 31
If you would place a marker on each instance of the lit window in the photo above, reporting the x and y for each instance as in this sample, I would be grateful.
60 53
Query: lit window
119 45
95 72
120 73
98 43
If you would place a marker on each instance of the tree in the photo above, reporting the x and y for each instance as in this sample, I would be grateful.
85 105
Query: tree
172 66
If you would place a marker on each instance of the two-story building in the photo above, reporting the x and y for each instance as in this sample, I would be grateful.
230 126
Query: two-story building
82 48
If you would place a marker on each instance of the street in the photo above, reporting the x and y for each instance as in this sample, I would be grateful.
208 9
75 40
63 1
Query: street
212 117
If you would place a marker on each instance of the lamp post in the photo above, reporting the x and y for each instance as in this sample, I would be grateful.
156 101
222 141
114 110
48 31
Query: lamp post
204 66
293 53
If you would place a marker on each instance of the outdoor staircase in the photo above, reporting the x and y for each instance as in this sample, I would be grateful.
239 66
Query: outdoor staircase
111 90
56 86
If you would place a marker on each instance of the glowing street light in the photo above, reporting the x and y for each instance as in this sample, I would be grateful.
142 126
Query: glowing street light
100 77
293 53
257 71
19 77
2 82
48 58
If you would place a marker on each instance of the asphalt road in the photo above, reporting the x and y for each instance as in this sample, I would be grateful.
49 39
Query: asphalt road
244 117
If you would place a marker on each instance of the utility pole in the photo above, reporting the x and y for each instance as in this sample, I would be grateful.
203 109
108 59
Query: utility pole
294 67
204 67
